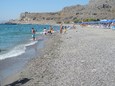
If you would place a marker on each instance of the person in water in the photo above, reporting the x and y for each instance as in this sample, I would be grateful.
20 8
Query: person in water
50 30
33 34
45 31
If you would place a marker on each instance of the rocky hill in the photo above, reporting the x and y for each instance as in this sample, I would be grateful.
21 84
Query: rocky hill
96 9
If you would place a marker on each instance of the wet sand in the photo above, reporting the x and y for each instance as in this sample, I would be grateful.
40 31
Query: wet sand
81 57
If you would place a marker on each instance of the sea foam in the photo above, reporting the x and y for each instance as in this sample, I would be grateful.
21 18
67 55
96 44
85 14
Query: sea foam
16 51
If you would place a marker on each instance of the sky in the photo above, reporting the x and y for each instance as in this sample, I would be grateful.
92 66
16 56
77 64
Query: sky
11 9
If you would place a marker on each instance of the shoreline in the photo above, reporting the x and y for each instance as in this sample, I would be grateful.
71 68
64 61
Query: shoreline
19 74
17 62
12 65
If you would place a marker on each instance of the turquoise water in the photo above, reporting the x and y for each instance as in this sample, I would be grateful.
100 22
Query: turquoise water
15 38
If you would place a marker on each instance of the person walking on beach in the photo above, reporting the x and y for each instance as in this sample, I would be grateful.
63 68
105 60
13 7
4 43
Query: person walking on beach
33 34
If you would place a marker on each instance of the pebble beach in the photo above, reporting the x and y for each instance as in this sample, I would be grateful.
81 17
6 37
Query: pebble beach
80 57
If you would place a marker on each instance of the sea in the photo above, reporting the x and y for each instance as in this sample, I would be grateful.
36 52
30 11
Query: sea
17 46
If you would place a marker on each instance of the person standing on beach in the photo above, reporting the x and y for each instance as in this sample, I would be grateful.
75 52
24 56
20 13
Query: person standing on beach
33 34
74 27
61 28
65 29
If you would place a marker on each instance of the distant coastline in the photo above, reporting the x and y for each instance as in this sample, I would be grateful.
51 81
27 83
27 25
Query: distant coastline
29 22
